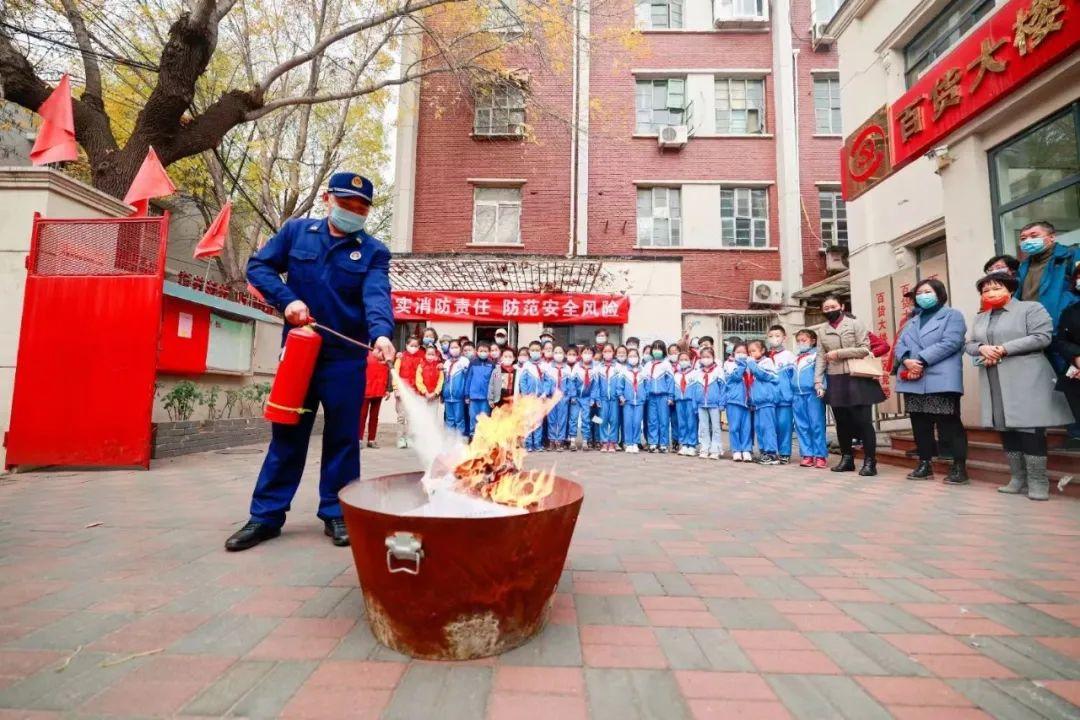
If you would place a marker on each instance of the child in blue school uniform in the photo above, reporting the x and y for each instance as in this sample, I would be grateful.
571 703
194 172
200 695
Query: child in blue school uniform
477 384
737 403
560 382
783 359
607 399
530 381
808 406
763 389
582 405
708 391
687 390
660 377
454 390
673 352
633 387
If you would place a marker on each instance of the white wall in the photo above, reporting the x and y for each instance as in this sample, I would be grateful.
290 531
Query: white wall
655 291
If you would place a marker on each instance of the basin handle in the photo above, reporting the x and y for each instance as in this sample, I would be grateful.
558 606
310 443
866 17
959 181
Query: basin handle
403 546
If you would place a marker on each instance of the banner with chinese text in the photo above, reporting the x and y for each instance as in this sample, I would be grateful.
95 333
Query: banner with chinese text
883 324
548 308
1019 40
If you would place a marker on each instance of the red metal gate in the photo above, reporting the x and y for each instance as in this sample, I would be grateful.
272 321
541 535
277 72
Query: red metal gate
84 380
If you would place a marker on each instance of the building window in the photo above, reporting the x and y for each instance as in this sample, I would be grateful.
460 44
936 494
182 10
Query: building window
740 9
659 103
500 110
659 217
659 14
740 106
827 105
503 17
744 218
496 216
824 10
742 328
1036 176
943 32
833 218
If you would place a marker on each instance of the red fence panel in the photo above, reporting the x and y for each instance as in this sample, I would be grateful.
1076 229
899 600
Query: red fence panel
84 379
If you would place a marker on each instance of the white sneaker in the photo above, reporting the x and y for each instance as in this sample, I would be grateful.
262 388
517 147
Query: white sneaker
714 456
703 454
742 457
631 449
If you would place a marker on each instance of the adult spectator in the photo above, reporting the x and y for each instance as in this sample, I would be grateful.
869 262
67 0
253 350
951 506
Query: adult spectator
1066 345
1007 342
929 368
1002 264
842 338
1044 274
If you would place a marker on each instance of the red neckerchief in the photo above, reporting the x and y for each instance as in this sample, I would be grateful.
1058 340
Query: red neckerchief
748 381
682 383
558 377
652 370
803 355
705 374
587 370
635 373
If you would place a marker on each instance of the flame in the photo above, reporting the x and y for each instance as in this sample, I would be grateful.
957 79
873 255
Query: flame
493 461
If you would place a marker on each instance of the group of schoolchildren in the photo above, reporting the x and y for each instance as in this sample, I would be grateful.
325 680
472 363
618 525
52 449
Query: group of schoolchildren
660 398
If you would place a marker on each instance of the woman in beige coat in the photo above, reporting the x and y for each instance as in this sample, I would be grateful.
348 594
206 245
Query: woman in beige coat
842 338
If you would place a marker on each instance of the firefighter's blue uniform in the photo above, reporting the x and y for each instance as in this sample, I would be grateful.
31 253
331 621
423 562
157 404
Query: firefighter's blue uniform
345 283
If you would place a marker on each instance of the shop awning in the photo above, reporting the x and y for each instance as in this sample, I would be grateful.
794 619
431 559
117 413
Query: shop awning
220 304
490 273
839 284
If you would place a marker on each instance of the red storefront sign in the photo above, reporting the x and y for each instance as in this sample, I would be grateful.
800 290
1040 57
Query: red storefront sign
864 159
548 308
1020 40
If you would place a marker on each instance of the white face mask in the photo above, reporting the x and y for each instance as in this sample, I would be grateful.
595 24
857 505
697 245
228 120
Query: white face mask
673 359
482 355
559 357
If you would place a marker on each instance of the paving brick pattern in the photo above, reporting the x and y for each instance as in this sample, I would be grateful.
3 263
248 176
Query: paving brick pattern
694 589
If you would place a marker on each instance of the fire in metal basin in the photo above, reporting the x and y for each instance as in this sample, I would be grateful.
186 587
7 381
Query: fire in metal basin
455 588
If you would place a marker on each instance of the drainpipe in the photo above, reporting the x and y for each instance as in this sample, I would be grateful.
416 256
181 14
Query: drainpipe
571 250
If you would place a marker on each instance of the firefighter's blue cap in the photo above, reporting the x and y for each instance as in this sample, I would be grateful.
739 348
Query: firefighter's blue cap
347 184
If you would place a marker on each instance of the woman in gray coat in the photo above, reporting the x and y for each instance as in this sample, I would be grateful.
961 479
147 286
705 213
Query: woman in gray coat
1016 381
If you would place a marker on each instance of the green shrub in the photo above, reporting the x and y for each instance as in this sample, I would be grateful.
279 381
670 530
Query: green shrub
181 400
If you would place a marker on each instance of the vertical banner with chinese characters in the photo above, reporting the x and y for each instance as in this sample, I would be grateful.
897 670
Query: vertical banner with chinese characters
548 308
883 324
865 160
1018 41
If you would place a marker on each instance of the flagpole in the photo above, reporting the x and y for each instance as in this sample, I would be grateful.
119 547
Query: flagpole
207 275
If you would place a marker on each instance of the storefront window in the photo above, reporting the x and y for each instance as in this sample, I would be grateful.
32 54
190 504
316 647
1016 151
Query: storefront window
586 334
1036 176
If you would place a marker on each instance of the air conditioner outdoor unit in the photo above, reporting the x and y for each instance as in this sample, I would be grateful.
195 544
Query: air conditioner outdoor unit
835 258
818 37
673 136
766 292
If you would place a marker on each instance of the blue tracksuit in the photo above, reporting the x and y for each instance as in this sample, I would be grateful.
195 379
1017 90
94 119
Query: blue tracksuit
809 409
708 390
784 361
661 387
607 396
530 381
477 379
454 392
559 379
345 282
633 392
764 394
582 404
737 402
687 387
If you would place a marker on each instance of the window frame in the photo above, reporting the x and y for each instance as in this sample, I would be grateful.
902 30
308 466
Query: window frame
498 205
644 17
507 108
735 217
998 208
654 127
762 13
833 81
815 8
836 201
762 110
675 224
940 46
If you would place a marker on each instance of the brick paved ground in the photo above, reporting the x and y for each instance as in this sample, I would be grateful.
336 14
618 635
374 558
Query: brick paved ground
695 589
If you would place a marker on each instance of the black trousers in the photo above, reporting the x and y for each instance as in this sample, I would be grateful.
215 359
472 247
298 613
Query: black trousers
856 421
1029 443
949 428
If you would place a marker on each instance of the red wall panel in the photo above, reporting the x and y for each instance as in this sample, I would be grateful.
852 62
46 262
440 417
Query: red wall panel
183 355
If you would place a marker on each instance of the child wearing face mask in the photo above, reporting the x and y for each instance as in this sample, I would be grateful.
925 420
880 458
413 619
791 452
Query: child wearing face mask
522 357
582 407
559 378
633 391
687 392
763 389
607 399
454 390
809 409
478 384
737 402
707 390
660 386
531 381
673 360
784 360
377 387
621 353
429 376
503 380
405 375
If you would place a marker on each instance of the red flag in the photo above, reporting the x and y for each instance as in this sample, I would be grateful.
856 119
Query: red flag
56 137
150 182
213 242
255 293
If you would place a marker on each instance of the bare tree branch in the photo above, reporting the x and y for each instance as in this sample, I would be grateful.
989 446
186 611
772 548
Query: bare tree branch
91 69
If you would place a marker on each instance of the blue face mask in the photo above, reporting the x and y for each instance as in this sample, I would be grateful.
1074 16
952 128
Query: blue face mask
803 348
345 221
926 300
534 356
1032 246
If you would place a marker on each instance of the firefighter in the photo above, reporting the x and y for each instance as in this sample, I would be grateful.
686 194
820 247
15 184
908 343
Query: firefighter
338 275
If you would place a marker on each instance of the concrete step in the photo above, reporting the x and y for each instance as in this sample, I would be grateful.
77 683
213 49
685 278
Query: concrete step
1063 461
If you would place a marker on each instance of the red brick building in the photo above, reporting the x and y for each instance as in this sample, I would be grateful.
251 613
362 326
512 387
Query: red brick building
714 227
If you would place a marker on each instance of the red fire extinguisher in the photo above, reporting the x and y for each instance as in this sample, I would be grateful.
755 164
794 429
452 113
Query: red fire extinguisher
286 402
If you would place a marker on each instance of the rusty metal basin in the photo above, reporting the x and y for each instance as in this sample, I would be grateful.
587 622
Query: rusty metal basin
443 588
